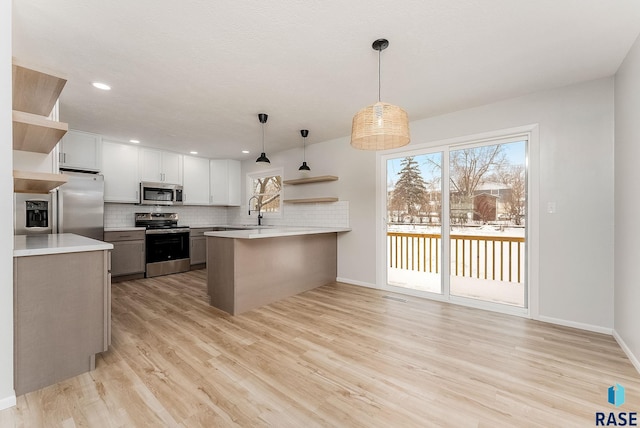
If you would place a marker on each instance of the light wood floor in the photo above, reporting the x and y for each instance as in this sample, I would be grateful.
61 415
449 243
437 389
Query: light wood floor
339 355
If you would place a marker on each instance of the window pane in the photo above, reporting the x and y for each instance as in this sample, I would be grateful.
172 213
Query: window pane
267 191
414 222
487 198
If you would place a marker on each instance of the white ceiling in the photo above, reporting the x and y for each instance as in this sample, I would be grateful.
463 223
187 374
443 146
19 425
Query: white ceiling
194 74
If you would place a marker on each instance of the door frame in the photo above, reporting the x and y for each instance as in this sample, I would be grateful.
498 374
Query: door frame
531 132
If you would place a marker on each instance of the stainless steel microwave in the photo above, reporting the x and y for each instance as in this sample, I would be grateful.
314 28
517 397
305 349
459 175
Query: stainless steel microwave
160 194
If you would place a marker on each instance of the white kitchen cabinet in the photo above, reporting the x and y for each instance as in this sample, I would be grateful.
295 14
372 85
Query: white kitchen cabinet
160 167
120 170
235 189
225 182
80 150
195 181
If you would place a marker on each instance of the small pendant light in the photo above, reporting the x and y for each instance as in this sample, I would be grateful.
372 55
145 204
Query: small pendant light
380 126
262 117
304 166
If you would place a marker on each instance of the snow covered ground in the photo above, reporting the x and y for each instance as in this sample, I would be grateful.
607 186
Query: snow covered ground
483 230
509 293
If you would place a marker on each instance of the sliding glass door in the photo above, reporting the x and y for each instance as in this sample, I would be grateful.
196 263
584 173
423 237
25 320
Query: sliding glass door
456 222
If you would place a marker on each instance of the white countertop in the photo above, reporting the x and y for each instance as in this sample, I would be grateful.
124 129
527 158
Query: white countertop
274 232
38 245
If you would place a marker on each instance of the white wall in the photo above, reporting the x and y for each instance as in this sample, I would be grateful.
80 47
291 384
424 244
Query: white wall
627 205
7 395
356 185
576 172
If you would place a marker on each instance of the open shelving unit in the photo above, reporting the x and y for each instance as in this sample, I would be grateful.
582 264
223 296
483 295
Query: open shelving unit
36 182
33 133
35 93
310 200
309 180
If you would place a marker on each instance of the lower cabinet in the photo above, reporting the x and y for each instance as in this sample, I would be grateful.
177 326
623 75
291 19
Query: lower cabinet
198 252
62 313
127 256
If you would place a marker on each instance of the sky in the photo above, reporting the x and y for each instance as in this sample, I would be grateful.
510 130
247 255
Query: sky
515 152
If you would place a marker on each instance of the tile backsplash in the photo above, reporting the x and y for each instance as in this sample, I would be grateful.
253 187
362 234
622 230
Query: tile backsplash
325 214
333 214
123 215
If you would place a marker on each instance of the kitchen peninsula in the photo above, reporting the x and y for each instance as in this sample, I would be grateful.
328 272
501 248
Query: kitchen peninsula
249 268
62 307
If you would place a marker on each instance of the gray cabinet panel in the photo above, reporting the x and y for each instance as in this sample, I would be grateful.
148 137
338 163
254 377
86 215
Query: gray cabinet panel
127 256
61 317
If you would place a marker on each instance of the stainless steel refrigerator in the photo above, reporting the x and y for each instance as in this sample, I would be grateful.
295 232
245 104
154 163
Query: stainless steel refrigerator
80 205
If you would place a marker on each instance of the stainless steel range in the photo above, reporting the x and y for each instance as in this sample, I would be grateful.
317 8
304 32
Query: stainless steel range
167 244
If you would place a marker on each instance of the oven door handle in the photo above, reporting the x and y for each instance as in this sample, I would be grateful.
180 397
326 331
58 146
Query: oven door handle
165 231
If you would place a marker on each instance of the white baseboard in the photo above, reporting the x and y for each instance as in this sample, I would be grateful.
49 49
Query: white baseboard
634 360
354 282
551 320
7 402
578 325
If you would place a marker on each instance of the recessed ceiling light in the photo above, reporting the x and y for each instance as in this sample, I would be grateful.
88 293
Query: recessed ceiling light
193 153
102 86
134 141
245 151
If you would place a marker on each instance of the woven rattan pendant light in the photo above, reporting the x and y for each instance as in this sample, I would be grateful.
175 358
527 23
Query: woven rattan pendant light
380 126
262 117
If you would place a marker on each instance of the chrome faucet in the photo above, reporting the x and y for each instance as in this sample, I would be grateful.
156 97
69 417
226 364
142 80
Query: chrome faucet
259 209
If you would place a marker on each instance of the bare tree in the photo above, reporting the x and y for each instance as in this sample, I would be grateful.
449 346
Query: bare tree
468 167
514 178
267 189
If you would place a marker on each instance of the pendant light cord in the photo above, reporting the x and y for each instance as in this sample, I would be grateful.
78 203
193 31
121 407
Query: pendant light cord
263 138
379 75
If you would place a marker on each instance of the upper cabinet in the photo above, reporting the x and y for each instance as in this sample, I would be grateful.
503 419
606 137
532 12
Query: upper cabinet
161 167
120 170
205 182
196 181
225 182
35 93
81 150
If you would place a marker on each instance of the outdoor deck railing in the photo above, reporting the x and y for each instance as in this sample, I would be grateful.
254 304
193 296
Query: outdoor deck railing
496 258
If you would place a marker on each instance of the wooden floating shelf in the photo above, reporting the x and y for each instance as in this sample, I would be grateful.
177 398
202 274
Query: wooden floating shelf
311 179
36 182
35 91
310 200
34 133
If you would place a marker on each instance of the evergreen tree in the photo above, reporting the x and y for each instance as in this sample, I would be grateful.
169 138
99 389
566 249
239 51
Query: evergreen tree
410 192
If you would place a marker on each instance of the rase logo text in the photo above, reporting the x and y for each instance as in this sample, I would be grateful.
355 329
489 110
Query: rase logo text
616 419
